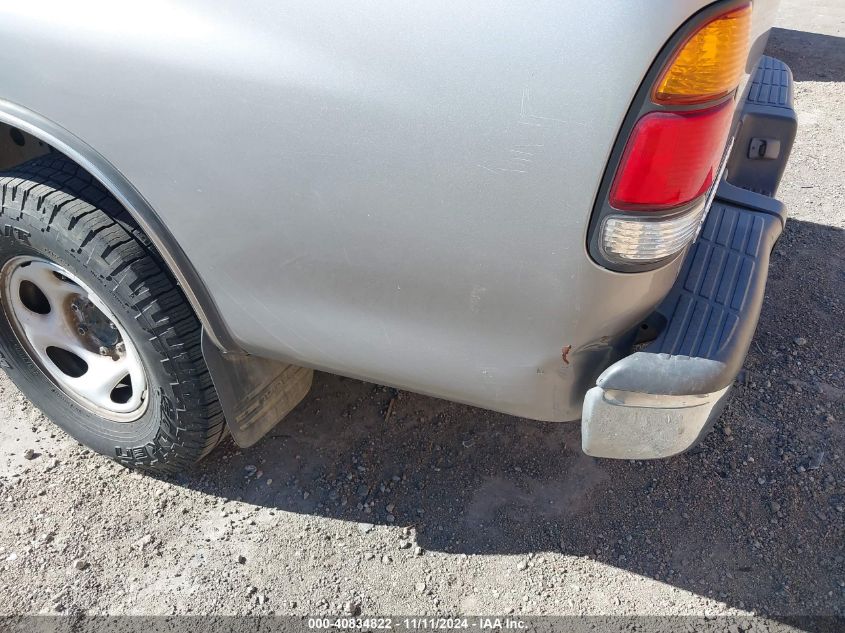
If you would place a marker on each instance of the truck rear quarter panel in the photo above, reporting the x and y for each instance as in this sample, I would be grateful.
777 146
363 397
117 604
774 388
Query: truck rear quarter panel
395 191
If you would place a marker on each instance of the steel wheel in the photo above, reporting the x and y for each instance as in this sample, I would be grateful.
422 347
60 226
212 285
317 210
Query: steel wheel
74 338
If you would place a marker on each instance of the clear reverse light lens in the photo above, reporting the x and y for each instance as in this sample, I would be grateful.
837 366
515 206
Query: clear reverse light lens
643 240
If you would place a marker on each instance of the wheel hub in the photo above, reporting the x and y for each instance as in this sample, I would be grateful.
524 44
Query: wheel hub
94 329
75 339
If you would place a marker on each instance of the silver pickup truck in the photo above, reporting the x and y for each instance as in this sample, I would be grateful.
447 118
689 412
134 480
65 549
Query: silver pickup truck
556 209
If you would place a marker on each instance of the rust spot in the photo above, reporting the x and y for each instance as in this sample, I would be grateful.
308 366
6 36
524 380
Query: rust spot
564 353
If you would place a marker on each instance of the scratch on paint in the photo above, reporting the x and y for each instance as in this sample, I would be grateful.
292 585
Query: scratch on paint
564 354
492 171
502 170
525 113
384 333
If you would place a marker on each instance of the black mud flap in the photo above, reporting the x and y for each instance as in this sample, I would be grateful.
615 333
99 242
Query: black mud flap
255 393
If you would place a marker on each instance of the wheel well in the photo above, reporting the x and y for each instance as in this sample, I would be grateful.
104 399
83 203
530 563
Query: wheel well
25 135
17 146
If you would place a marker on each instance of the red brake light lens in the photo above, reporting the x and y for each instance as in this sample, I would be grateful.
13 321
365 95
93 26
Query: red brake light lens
671 158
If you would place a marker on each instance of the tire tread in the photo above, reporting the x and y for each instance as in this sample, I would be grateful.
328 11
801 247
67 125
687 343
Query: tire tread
72 201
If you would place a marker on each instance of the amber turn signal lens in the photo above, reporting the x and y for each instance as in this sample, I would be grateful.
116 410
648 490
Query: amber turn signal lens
710 63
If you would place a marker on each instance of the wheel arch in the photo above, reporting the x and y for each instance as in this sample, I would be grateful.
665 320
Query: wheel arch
136 205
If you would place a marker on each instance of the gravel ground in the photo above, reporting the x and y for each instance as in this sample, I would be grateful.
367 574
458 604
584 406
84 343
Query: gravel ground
384 502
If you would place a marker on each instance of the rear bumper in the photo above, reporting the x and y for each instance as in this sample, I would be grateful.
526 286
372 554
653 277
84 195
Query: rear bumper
630 425
661 401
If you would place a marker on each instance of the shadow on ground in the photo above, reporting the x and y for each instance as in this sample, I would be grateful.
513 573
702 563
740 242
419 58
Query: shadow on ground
753 517
811 56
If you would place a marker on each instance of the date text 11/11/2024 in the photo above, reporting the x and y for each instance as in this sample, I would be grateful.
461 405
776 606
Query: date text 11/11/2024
418 623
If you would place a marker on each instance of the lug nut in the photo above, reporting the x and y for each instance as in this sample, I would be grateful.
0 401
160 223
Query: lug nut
104 351
82 329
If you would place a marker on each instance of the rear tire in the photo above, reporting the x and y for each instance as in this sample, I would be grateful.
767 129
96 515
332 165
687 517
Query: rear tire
53 211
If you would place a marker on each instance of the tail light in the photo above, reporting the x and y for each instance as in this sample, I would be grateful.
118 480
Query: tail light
658 194
671 158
